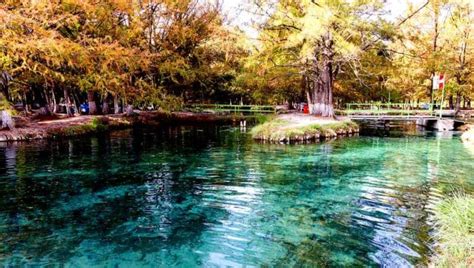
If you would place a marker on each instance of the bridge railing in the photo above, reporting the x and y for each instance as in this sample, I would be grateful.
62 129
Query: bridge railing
398 109
231 108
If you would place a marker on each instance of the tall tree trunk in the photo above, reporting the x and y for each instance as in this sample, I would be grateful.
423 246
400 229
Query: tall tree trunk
67 100
305 85
105 104
5 113
91 101
25 103
116 104
76 101
47 104
457 107
55 102
43 100
323 78
459 75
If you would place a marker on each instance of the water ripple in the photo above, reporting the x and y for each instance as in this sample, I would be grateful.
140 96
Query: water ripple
225 201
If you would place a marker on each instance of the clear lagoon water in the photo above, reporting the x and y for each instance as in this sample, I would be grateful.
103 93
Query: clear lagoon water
211 197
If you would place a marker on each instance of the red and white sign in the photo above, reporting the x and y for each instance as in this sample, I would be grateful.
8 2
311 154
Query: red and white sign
438 81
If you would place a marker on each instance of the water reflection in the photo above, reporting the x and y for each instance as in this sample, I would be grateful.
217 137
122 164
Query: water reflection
209 196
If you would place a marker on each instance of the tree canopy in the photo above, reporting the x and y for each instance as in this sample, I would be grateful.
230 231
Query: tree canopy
55 55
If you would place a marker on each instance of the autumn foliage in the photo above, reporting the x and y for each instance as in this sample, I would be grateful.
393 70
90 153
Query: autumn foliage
112 52
161 54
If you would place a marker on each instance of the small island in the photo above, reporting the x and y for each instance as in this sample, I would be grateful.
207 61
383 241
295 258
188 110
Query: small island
302 128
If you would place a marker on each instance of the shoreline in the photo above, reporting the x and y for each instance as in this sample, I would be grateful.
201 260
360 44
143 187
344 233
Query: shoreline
283 128
93 124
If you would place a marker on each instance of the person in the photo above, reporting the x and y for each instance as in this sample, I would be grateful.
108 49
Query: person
84 108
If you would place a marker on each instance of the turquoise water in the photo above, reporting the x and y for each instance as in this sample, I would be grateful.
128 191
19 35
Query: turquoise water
211 197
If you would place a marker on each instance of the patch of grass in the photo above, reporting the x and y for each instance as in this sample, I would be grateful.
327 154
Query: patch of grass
282 130
262 118
268 128
100 124
455 232
97 125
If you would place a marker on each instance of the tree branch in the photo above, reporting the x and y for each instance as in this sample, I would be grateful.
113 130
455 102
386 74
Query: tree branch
398 24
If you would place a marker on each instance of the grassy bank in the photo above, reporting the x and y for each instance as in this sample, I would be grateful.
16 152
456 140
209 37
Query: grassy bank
94 126
455 232
285 130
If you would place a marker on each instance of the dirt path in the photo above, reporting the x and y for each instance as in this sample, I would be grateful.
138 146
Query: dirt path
302 120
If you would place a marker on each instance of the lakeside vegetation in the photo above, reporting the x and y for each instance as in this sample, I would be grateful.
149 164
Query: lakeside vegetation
455 231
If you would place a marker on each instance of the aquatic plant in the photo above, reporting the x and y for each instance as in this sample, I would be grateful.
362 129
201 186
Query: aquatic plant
455 232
